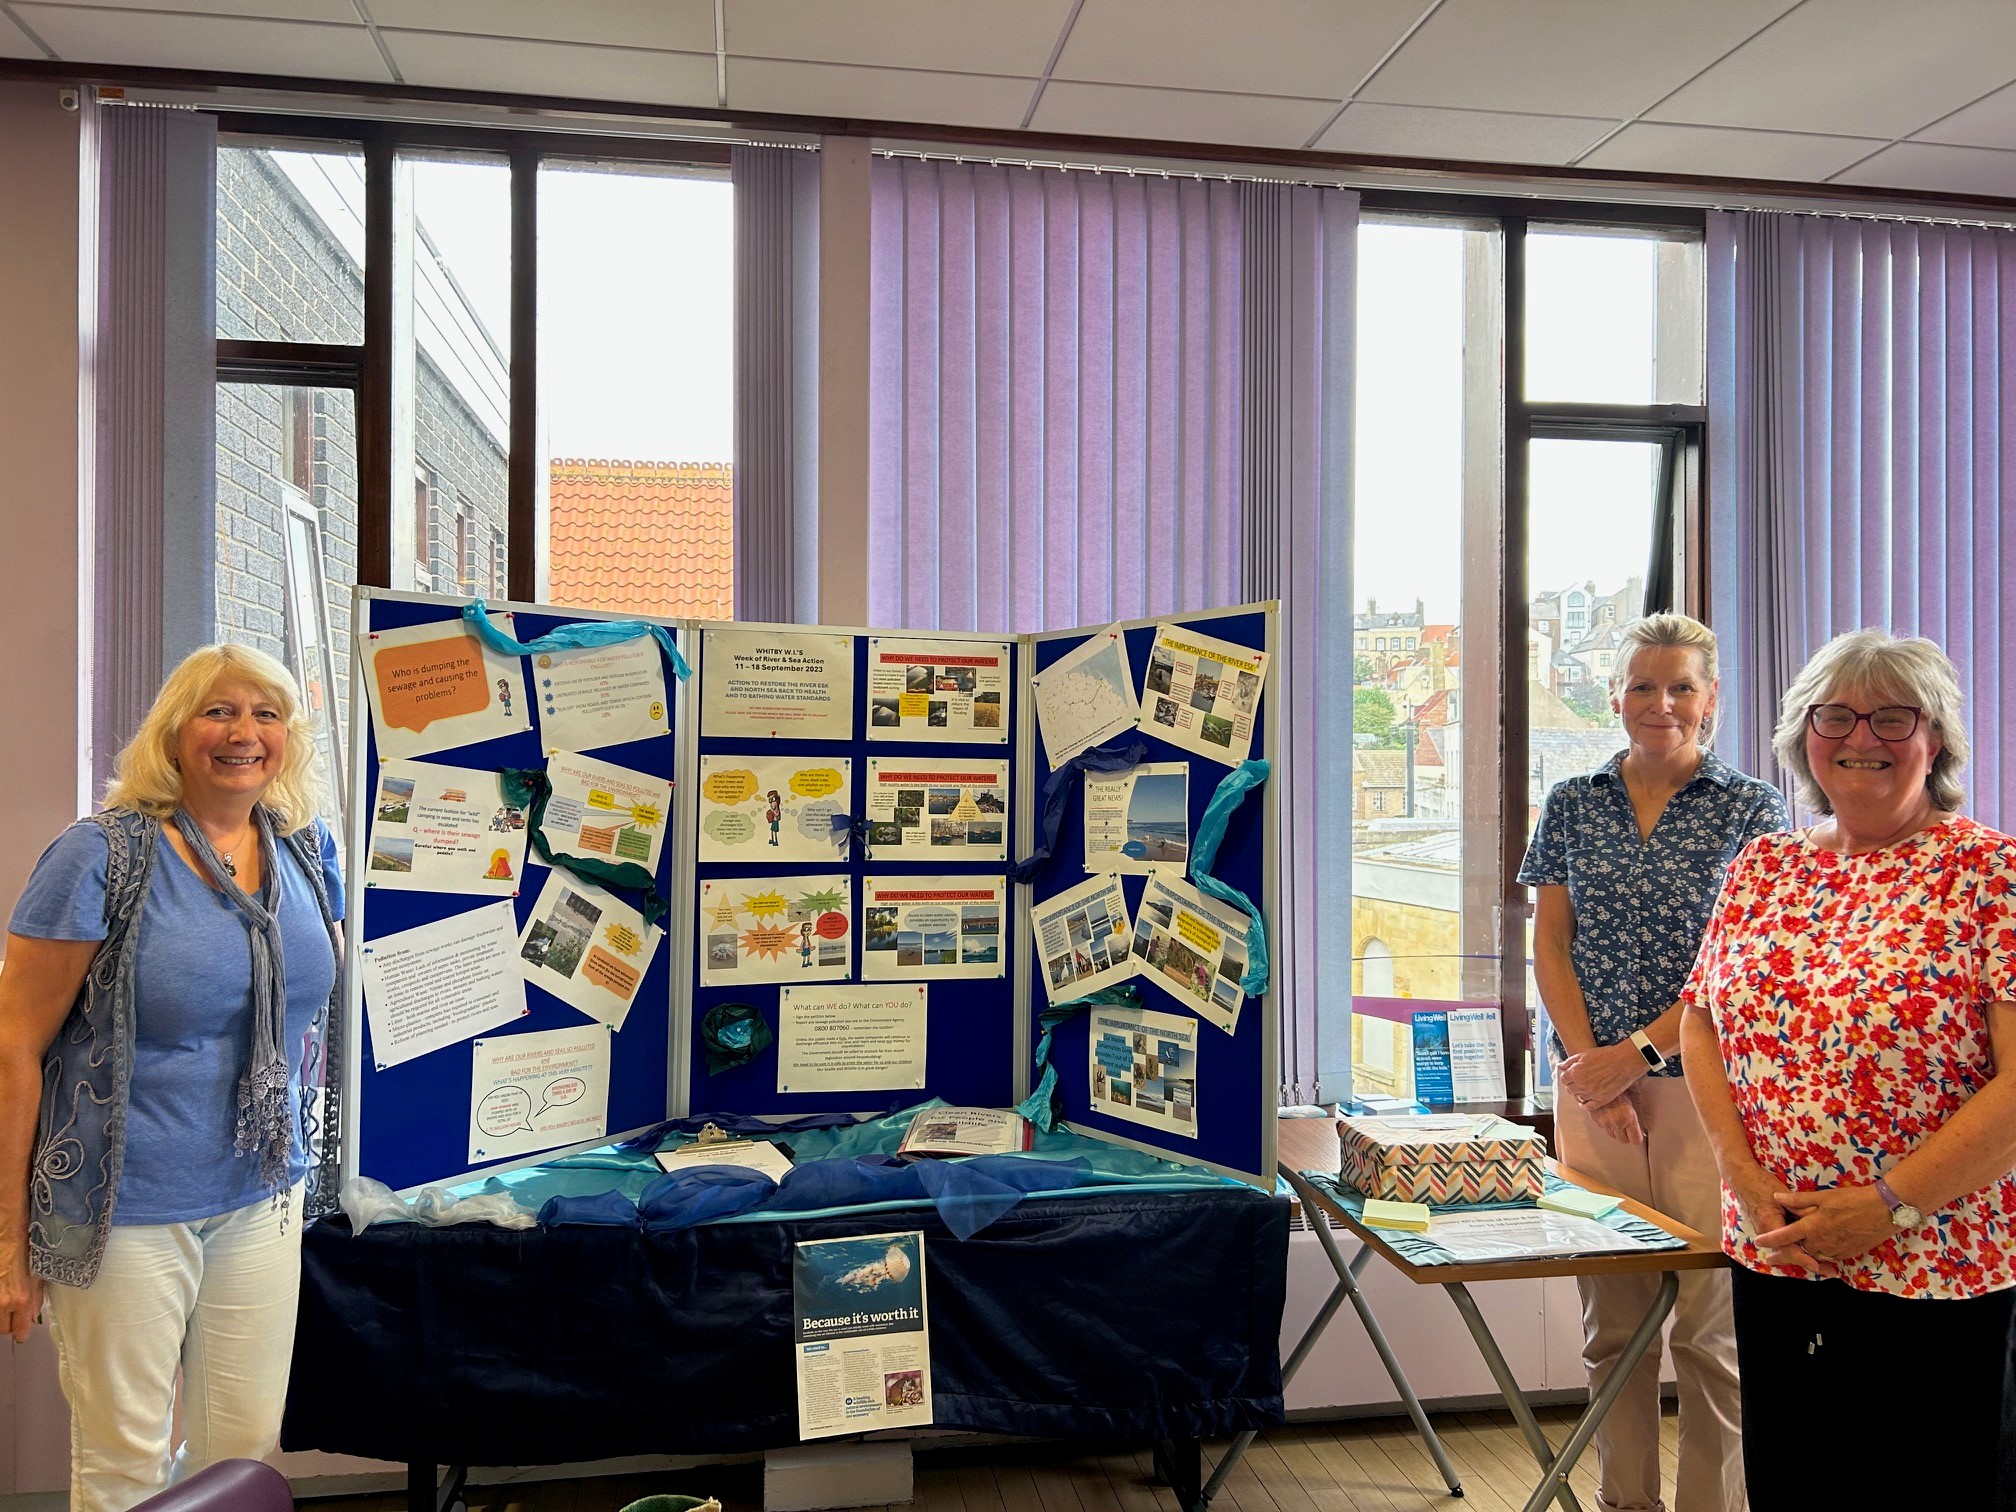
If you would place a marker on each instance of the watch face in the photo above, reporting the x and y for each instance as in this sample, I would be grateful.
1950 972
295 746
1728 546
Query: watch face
1905 1216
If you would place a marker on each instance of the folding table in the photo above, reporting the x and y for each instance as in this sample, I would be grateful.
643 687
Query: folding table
1310 1146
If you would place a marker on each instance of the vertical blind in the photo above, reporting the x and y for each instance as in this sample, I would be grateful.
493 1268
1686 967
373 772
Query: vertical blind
1054 403
1862 393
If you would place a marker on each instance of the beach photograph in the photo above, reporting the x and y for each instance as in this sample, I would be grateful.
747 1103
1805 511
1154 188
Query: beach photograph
910 947
982 949
1158 816
392 853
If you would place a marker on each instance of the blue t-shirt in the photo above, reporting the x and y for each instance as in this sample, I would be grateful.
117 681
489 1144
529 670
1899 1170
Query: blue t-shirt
1642 904
193 1013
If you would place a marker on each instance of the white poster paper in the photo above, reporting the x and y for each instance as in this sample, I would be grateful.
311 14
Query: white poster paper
775 685
1083 937
1194 947
605 811
937 690
1202 693
532 1092
587 947
776 929
1143 1068
1476 1055
860 1327
1138 820
601 695
774 808
941 810
444 829
850 1039
434 687
916 927
1086 696
439 983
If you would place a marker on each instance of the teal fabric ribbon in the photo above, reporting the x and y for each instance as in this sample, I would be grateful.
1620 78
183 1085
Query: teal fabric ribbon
1057 792
1040 1106
579 636
529 788
1232 792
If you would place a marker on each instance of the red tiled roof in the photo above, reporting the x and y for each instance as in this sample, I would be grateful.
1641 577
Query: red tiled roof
651 537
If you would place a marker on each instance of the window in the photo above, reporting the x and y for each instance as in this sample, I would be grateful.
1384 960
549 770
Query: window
1575 489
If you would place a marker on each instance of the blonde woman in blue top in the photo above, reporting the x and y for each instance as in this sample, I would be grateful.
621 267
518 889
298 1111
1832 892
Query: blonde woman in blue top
170 966
1627 862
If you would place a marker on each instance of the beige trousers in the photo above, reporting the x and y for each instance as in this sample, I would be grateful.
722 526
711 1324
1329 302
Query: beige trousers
1673 1171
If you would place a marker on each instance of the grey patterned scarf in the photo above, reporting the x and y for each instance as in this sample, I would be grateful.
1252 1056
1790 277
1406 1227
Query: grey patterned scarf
265 1119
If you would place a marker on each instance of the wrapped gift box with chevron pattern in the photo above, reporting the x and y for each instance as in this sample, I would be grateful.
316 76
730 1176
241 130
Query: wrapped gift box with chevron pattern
1443 1159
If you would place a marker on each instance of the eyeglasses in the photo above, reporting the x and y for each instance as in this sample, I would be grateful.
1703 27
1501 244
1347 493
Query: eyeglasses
1894 724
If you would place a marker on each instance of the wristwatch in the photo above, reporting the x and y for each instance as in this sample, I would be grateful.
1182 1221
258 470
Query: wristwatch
1653 1059
1902 1214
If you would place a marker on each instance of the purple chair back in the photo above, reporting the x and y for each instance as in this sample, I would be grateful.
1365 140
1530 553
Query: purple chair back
233 1485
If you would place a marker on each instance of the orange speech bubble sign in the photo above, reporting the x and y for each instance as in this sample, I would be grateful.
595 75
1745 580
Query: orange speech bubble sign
430 680
609 973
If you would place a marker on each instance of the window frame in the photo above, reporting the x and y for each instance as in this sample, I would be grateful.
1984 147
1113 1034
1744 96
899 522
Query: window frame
300 511
1495 322
368 367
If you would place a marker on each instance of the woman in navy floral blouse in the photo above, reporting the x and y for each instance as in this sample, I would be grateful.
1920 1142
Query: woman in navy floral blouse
1627 862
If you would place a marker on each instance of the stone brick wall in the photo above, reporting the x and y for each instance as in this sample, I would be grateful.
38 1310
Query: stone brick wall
282 276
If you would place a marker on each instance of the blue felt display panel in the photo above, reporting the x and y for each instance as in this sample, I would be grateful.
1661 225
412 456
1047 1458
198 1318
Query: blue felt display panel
1234 1097
410 1123
970 1047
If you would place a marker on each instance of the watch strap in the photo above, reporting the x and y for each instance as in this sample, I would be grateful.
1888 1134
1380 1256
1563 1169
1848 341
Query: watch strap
1648 1050
1890 1199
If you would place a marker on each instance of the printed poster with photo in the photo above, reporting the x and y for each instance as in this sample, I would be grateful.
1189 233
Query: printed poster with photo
1082 938
913 927
1193 947
1202 693
1143 1068
944 810
760 809
435 687
861 1331
938 690
444 829
1138 820
587 947
605 811
776 929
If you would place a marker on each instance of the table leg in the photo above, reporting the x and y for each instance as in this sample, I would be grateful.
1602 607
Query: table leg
1508 1387
1600 1404
427 1490
1179 1463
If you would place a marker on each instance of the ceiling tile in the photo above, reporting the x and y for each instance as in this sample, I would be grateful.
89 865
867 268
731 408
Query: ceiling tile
671 25
1726 152
1943 170
1477 135
1179 115
1316 48
1985 123
448 61
232 44
973 36
15 43
1547 57
339 11
1857 67
876 94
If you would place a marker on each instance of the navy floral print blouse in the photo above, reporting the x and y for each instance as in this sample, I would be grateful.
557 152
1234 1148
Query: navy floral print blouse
1642 906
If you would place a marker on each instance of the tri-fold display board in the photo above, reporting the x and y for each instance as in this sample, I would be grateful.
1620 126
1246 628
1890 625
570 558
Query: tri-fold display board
588 894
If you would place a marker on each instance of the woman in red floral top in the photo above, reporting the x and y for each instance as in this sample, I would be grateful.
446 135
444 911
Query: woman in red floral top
1852 1002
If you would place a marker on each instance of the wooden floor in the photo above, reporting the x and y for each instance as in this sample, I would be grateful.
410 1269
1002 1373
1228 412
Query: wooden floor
1360 1465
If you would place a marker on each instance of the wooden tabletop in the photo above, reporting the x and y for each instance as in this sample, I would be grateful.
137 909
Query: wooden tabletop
1310 1144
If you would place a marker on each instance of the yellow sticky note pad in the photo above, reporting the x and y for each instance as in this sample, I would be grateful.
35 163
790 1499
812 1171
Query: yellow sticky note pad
1409 1216
1581 1203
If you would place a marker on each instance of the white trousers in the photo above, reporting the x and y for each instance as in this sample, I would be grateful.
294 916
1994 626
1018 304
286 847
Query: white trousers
1674 1172
213 1299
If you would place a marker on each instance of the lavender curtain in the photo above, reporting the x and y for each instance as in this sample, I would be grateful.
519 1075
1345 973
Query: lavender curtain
1864 416
1054 396
1300 265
